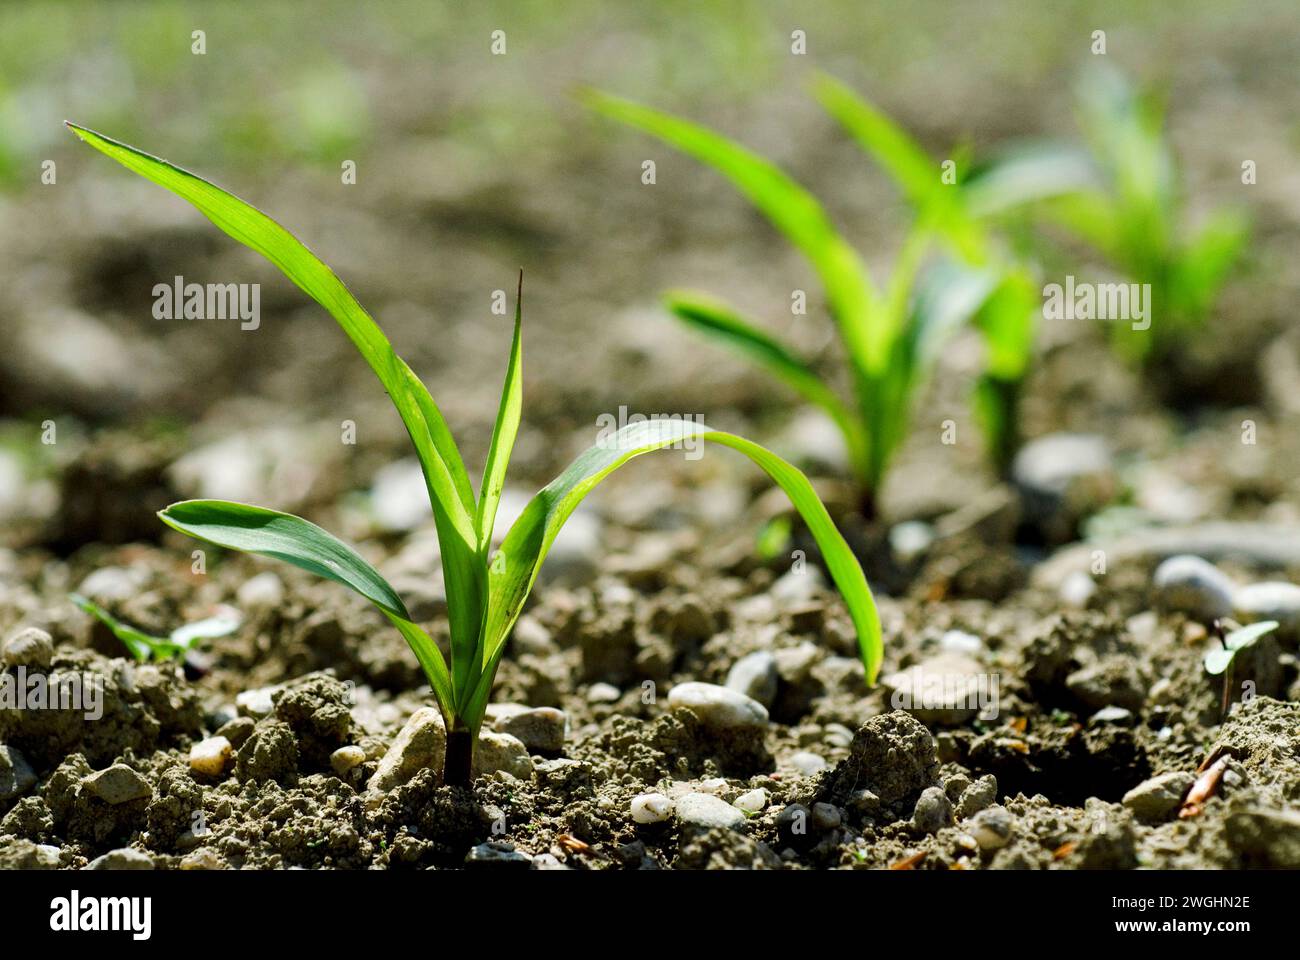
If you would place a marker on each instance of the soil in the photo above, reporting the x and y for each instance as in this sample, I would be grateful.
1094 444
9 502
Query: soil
1106 746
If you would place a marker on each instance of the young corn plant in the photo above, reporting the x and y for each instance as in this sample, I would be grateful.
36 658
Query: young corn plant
890 336
485 591
958 210
175 646
1134 215
1221 660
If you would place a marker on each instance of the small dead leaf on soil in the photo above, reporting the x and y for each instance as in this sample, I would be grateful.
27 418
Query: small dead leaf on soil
1064 850
1206 785
909 863
1019 724
572 844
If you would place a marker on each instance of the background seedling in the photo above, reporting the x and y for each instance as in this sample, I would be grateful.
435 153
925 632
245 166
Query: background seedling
1136 218
890 336
177 644
1221 660
484 594
1006 302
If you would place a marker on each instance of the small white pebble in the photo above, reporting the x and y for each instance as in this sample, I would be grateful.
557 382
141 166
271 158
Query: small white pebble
210 756
808 764
751 802
603 693
347 758
651 808
715 785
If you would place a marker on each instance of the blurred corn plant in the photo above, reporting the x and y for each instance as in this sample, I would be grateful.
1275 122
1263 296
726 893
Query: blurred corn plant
959 201
891 335
1133 213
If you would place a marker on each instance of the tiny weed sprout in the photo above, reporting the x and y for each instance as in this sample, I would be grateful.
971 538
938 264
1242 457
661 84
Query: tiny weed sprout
1221 660
1136 218
177 644
890 336
485 594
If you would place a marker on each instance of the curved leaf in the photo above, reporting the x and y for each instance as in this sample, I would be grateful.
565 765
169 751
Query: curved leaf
790 208
515 568
1245 636
140 644
1217 660
282 536
221 625
719 320
449 489
503 433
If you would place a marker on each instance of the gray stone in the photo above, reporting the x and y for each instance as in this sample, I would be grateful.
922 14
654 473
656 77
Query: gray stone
826 816
498 854
501 753
798 585
1113 681
1063 477
707 811
943 690
16 774
992 828
755 676
1156 799
808 764
262 592
346 759
651 808
933 811
541 730
718 707
30 647
603 693
117 784
1116 715
421 744
126 858
1193 586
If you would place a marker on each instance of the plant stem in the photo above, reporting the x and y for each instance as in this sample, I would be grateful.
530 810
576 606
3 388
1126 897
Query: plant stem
460 757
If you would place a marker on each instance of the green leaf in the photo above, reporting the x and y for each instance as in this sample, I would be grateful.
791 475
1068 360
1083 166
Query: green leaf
450 493
719 320
140 645
1217 660
1246 636
221 625
902 158
1027 174
283 536
791 209
430 658
503 433
515 569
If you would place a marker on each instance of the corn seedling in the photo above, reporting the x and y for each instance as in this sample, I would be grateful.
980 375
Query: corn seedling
890 336
1222 659
485 594
176 645
1135 217
957 208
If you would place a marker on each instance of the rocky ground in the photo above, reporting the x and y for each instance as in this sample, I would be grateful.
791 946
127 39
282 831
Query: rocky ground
676 703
